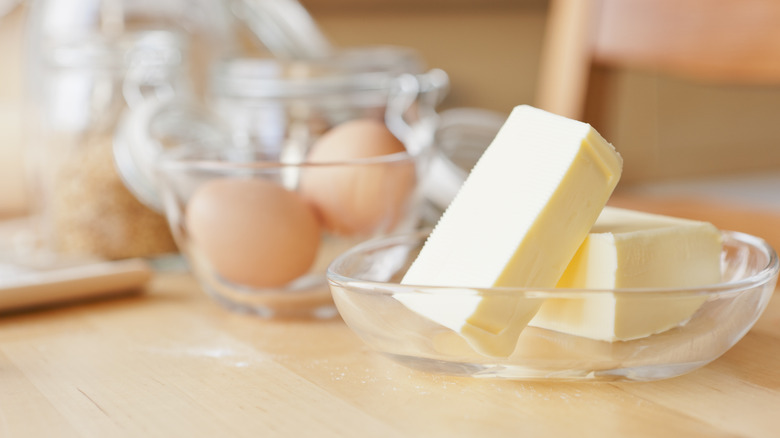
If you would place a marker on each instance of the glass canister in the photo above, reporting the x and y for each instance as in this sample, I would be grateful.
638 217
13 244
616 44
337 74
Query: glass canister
278 108
294 162
283 106
90 62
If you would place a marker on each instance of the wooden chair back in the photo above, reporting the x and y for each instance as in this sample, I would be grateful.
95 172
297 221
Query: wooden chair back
735 41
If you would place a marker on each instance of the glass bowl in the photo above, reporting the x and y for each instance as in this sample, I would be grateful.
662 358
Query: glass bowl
364 282
258 234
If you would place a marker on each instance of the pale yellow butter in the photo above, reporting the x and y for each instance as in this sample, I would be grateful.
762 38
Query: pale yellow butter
517 221
631 249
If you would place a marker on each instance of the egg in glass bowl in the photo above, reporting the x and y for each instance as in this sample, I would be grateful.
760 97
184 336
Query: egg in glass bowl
259 234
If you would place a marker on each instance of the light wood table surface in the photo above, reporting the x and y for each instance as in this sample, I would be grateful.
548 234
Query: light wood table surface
172 363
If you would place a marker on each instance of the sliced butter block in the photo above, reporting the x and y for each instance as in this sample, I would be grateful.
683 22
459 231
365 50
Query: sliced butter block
517 221
631 249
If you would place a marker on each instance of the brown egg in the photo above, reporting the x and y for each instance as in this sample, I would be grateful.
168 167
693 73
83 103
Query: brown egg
253 231
358 198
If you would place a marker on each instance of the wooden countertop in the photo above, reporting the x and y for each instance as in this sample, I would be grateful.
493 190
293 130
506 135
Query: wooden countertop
171 362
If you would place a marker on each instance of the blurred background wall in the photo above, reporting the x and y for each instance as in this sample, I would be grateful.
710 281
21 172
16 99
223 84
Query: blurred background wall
665 127
13 196
490 48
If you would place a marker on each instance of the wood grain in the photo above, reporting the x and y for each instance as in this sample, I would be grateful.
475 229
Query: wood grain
173 363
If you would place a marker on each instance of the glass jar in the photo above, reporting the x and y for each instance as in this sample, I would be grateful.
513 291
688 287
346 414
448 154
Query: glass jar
279 108
90 63
289 164
283 106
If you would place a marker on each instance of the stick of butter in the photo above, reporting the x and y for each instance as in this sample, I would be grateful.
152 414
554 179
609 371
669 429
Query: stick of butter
631 249
517 221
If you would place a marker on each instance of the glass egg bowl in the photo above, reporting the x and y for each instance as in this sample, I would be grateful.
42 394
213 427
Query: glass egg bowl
258 234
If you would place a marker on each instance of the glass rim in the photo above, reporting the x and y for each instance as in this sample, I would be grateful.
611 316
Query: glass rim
370 287
174 161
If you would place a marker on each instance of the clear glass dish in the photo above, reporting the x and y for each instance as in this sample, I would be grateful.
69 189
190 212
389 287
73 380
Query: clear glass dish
259 234
364 282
